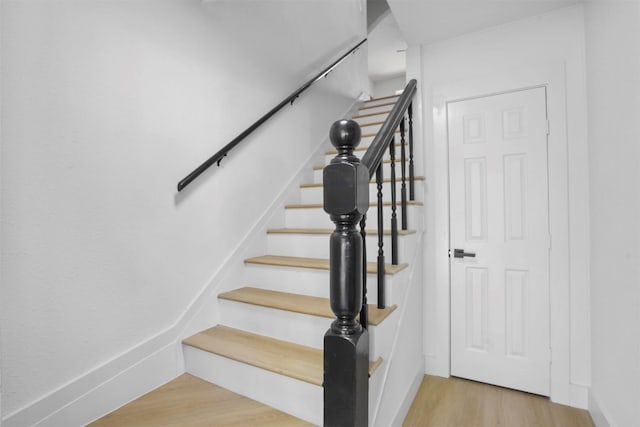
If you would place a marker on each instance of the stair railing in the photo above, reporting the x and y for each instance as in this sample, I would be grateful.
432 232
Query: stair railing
222 153
346 199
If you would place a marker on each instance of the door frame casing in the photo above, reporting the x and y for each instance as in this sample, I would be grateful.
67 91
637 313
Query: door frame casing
553 78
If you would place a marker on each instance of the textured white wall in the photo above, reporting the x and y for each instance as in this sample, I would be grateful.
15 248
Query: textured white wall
388 86
613 70
105 106
554 39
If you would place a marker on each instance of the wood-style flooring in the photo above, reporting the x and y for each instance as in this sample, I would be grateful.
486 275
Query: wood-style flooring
455 402
190 401
440 402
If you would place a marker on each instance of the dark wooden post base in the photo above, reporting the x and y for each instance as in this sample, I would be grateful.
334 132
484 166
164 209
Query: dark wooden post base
346 378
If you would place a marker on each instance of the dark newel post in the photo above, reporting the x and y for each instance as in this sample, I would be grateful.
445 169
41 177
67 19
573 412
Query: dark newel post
364 311
379 179
412 190
403 160
346 343
394 215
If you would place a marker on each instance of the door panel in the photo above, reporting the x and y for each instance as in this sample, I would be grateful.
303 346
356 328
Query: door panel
499 212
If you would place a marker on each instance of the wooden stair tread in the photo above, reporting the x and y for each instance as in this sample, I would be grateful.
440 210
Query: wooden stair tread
320 205
386 104
381 98
316 263
297 303
330 152
385 161
328 231
282 357
361 116
398 180
371 124
190 401
368 135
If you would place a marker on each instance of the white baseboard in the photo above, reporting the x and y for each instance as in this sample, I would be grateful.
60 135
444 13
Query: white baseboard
150 373
579 396
102 390
159 359
598 412
408 400
433 367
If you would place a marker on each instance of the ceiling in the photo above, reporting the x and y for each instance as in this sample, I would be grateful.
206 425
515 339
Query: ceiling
428 21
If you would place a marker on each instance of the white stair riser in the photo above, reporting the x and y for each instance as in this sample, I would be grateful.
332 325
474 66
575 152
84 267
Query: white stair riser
318 218
381 338
280 324
370 129
366 141
303 329
308 281
316 194
289 395
373 102
317 245
379 117
377 109
295 397
386 165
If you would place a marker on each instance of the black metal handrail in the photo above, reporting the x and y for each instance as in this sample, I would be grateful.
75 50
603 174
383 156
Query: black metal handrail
217 158
380 143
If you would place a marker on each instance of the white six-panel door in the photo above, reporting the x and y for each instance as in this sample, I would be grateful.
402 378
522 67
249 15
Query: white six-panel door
499 212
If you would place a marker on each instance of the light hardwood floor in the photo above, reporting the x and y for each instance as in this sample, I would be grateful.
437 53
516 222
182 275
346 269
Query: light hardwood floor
456 402
190 401
440 402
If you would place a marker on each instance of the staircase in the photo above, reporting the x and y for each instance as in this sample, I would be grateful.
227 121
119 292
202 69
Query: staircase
268 345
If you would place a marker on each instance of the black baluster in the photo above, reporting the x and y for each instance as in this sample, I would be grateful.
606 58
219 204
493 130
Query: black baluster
403 191
412 191
394 216
380 237
346 343
364 311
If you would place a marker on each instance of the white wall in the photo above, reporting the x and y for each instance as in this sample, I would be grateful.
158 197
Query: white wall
388 86
1 234
613 70
553 40
402 368
105 106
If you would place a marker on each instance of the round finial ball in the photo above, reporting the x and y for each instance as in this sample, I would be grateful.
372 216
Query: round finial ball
345 134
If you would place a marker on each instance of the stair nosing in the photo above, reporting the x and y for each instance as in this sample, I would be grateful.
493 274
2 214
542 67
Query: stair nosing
330 152
376 316
361 116
377 106
371 124
327 231
368 135
320 205
386 180
381 98
316 263
250 358
384 161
